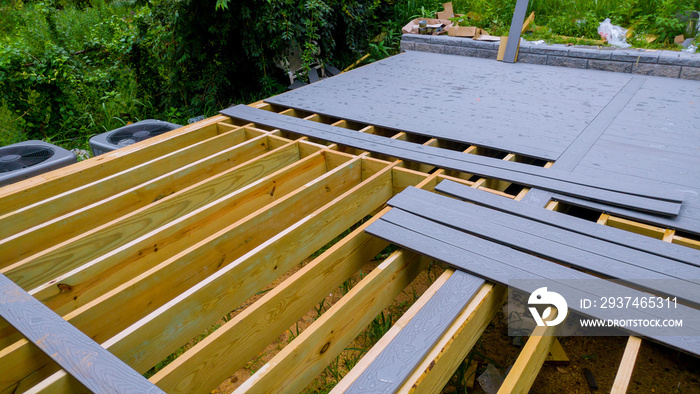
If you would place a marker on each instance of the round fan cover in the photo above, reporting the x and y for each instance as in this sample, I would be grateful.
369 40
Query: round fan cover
17 157
137 132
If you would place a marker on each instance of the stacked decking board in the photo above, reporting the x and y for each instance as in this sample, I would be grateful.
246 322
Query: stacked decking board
440 227
609 191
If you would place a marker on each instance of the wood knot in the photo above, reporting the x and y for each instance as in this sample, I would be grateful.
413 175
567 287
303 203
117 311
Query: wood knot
64 288
325 347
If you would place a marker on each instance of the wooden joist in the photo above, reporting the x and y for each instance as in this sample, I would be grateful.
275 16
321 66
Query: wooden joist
629 196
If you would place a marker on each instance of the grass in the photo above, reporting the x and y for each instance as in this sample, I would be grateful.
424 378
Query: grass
578 20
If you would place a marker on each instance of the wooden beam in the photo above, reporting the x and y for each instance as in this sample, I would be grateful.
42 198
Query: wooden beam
624 371
79 292
557 355
20 194
527 22
183 272
241 339
152 338
124 236
439 366
306 356
524 372
94 367
70 214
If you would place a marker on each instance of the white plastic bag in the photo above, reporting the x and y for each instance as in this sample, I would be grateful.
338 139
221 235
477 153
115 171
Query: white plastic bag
614 35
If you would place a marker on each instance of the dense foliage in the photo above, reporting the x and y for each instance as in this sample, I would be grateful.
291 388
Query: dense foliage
663 19
73 68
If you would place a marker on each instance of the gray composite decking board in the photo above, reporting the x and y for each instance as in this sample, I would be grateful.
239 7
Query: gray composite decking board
508 262
81 357
681 222
505 265
665 147
592 165
404 353
581 226
464 99
671 278
474 164
580 146
691 192
659 163
302 125
516 25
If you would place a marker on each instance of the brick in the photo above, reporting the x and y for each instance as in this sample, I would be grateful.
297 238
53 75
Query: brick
679 58
635 56
690 73
659 70
445 40
407 45
610 65
421 46
486 53
524 47
555 49
589 53
562 61
532 58
460 51
415 37
469 43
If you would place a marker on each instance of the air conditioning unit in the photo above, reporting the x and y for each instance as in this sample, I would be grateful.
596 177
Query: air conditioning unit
129 134
30 158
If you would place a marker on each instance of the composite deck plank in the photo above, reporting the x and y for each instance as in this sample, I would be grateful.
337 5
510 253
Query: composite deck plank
685 221
93 366
461 100
671 278
581 226
502 264
484 166
405 352
578 148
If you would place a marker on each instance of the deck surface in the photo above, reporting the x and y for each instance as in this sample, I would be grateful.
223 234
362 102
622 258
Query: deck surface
645 130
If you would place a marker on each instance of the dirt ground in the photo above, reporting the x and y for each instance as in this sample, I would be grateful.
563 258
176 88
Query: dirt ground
658 369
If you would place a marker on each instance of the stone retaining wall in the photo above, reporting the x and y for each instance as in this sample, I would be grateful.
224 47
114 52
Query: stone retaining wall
638 61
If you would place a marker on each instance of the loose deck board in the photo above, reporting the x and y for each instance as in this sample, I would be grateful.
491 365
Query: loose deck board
602 190
502 264
529 109
397 361
671 278
581 226
96 368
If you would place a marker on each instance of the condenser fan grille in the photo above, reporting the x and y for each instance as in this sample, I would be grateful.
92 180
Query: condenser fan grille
132 135
17 157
